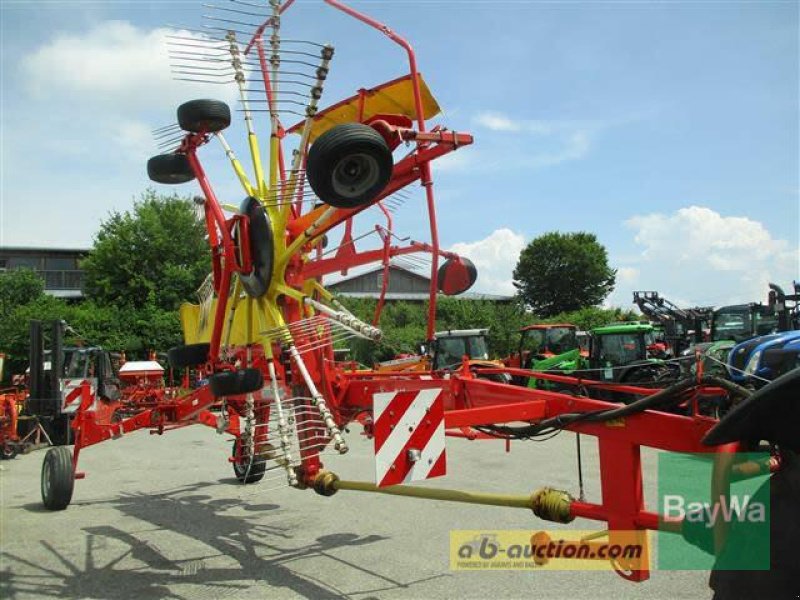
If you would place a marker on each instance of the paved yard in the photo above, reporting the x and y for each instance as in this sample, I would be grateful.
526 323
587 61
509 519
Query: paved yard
161 517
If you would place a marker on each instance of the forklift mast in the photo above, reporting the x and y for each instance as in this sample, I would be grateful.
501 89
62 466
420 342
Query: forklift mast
44 386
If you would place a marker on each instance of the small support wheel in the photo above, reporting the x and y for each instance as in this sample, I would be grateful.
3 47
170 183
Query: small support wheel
191 355
349 165
235 383
58 478
9 451
246 471
170 169
204 116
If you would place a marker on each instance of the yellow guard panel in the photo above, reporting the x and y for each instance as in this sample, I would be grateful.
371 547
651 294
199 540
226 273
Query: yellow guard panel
193 333
395 97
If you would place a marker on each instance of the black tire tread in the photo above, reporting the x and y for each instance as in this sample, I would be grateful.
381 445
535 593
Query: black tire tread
339 141
190 355
256 472
206 116
62 478
170 169
235 383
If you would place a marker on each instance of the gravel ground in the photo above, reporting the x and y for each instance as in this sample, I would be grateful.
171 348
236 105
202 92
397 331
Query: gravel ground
162 517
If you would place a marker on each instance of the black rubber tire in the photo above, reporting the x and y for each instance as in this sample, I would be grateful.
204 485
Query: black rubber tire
204 116
256 472
349 165
262 248
170 169
235 383
191 355
58 478
9 451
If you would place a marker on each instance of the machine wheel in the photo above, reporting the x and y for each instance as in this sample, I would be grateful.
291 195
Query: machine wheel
9 451
240 466
235 383
204 116
261 246
170 169
349 165
191 355
58 478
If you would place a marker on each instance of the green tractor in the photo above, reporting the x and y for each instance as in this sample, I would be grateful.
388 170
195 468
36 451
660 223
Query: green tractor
625 353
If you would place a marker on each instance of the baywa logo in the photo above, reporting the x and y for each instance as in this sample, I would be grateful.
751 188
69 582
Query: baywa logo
737 508
727 532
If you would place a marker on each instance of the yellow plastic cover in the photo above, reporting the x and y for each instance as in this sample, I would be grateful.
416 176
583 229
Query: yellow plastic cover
194 333
392 98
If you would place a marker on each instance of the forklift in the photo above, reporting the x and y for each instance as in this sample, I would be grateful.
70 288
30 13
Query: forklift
59 375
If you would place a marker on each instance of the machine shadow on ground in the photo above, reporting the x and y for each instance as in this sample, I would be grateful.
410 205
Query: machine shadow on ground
263 553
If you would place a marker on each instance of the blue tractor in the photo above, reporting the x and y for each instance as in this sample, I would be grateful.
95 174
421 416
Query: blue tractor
761 359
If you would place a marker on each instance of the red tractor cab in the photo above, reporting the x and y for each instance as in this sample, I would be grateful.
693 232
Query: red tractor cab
541 341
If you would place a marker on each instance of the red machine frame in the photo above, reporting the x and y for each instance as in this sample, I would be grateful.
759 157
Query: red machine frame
469 401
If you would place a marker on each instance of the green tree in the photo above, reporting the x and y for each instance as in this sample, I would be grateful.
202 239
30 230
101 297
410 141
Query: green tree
154 255
18 287
14 327
590 317
561 272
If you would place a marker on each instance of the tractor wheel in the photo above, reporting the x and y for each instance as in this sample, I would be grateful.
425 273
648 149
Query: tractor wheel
58 478
245 471
9 451
204 116
235 383
349 165
170 169
192 355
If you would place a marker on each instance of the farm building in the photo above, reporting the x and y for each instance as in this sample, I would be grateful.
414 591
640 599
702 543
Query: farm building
404 284
58 267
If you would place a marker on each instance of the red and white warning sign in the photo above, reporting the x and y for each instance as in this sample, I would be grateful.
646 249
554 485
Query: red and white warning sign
72 390
409 436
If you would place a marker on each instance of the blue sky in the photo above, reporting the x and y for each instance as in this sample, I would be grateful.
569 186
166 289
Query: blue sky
668 129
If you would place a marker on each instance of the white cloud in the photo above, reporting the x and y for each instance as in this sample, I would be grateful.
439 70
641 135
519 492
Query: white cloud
627 274
495 257
699 256
558 140
113 64
496 122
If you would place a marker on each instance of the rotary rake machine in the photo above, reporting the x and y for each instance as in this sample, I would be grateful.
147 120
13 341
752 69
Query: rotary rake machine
265 329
